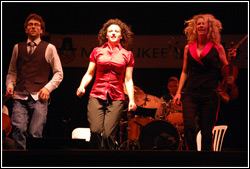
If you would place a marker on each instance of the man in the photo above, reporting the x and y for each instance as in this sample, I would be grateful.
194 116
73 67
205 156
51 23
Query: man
172 88
27 81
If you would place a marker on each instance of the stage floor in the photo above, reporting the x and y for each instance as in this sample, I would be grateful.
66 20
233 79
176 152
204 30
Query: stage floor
122 158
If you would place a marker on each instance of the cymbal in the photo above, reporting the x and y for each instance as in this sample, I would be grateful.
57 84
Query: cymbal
147 101
137 90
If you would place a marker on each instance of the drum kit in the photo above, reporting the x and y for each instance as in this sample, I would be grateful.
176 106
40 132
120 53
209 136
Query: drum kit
145 132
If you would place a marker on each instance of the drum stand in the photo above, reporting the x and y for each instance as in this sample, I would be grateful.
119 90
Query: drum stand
180 147
165 113
129 143
121 133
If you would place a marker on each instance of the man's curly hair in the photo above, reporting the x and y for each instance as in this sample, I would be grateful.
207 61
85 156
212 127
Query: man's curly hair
125 31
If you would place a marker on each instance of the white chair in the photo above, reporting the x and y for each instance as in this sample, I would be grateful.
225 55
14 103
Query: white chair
218 133
81 133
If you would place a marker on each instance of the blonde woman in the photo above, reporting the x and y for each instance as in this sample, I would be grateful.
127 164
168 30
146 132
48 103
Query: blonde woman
199 78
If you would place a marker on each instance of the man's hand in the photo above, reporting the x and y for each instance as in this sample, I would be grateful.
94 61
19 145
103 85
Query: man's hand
9 92
44 94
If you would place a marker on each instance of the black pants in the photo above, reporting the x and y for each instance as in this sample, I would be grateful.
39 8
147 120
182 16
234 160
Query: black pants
104 117
199 113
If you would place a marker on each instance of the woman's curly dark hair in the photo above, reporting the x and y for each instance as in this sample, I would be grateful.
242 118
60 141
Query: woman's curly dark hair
125 31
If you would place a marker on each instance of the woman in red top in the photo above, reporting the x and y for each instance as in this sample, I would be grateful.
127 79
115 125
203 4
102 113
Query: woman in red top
199 78
113 65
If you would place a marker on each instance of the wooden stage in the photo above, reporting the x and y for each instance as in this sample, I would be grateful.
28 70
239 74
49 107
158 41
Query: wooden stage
58 152
122 158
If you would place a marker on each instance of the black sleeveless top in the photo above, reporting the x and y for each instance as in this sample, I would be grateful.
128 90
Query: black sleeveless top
203 75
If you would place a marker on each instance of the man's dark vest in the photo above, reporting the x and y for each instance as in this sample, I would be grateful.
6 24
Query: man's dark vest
32 71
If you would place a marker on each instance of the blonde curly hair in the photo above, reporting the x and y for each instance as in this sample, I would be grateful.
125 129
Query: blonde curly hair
214 28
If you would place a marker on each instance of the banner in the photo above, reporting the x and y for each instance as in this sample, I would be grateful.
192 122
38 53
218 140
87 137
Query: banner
150 51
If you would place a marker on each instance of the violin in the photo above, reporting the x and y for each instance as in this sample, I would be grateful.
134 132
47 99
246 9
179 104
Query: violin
230 74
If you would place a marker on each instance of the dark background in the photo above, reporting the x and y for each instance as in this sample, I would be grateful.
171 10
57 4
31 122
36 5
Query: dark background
66 110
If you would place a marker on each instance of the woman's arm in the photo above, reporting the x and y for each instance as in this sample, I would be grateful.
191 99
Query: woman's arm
86 79
130 88
183 77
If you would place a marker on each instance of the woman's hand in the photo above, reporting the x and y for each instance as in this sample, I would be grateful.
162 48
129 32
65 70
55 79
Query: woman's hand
232 54
132 106
176 99
80 92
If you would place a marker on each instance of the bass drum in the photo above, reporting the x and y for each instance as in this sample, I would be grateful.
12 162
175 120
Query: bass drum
134 126
159 134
